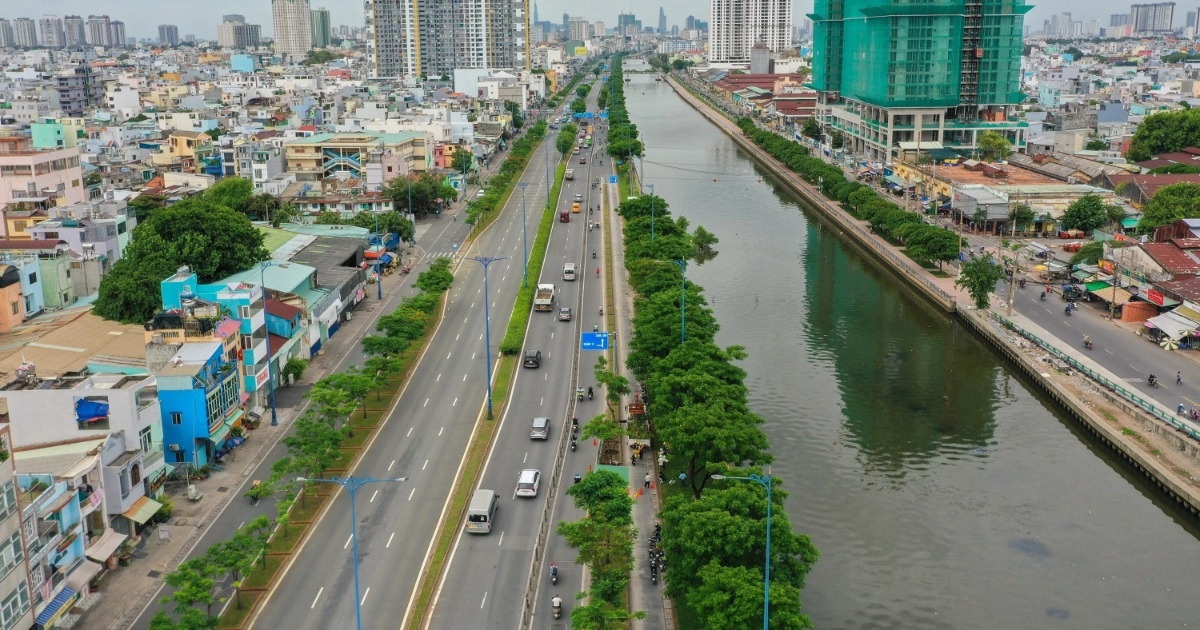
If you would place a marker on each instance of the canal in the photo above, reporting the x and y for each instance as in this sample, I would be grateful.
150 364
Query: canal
941 489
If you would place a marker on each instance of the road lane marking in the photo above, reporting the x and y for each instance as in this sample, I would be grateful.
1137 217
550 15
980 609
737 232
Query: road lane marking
465 319
411 493
389 542
501 542
373 495
365 593
448 355
240 524
391 465
484 602
410 430
319 591
457 336
481 336
542 401
455 403
348 541
464 378
440 431
473 355
426 403
425 464
472 307
439 378
525 459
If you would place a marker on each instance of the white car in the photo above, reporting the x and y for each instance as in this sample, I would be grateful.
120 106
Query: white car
528 482
480 194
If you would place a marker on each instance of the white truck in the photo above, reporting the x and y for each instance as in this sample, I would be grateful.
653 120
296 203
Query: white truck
543 299
570 174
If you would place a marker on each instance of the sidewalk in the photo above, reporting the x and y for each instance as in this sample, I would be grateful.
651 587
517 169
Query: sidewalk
126 591
644 595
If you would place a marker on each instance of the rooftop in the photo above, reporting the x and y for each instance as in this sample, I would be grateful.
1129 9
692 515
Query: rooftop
68 343
1016 176
359 137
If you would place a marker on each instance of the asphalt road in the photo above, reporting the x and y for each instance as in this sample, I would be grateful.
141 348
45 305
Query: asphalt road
486 581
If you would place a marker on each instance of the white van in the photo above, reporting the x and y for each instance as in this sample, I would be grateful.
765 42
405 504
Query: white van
569 271
481 511
528 482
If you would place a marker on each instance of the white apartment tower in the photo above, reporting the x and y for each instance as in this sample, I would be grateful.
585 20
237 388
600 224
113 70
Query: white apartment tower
24 33
1153 18
293 28
6 34
53 35
99 30
76 30
736 26
436 37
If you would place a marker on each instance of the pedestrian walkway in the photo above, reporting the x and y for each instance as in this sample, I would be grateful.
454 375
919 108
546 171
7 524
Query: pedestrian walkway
645 595
126 591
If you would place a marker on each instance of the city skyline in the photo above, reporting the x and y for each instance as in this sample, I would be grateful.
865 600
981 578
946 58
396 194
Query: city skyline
143 17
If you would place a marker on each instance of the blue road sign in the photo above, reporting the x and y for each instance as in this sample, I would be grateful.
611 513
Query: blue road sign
594 341
612 179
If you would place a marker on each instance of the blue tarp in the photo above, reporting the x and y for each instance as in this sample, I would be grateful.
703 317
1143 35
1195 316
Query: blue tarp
386 259
90 411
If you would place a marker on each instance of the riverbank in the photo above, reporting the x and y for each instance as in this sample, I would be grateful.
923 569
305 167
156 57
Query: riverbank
1150 445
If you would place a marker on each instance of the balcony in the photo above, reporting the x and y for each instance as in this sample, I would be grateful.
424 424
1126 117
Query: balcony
48 536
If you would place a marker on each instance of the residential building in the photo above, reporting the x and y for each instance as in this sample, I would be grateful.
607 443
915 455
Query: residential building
895 81
54 269
201 399
168 35
738 25
437 37
99 30
101 229
16 604
76 31
233 32
12 303
53 35
321 31
6 34
36 178
118 32
577 29
1152 19
371 156
293 28
52 522
24 33
78 89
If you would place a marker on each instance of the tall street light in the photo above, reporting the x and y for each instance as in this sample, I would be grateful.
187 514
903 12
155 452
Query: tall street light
524 236
486 261
764 481
270 377
547 153
651 187
682 264
352 484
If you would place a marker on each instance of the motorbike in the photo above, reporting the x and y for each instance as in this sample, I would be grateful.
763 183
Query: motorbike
601 311
556 604
579 391
254 486
1022 283
1042 296
1087 343
590 393
1152 381
553 573
574 425
1067 311
593 254
573 442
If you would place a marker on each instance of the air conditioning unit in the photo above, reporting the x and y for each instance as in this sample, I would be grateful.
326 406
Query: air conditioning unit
174 448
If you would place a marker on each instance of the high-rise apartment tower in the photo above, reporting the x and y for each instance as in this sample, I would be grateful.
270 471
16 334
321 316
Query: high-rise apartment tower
437 37
293 28
739 25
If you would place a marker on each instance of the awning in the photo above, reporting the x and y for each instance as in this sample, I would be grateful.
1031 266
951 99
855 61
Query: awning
56 607
1175 328
1116 297
142 510
1096 286
1129 223
1188 314
219 434
83 574
1082 275
103 549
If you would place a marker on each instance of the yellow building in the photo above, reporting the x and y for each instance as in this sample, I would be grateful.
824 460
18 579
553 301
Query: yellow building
166 97
188 150
371 156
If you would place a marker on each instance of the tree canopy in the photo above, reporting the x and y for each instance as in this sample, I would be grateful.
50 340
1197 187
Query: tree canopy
1169 204
994 145
1164 132
979 277
427 189
213 240
1086 213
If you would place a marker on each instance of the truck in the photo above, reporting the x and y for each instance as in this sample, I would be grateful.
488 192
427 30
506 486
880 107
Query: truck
543 300
570 174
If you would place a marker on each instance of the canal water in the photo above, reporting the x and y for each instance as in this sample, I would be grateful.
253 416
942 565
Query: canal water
942 490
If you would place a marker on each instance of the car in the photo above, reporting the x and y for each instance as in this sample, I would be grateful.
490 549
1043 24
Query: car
480 194
528 482
540 429
583 159
579 197
533 359
564 314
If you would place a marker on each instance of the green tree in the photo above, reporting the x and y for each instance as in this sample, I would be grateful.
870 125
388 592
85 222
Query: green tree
615 386
837 139
1175 169
932 244
979 277
1086 213
462 161
730 598
578 106
1021 216
231 192
391 222
313 446
1096 145
1169 204
583 90
1089 254
144 204
1165 132
515 110
994 145
564 142
811 128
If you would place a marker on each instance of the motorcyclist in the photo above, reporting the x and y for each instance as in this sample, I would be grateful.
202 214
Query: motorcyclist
1153 380
556 604
593 254
590 392
1087 341
553 571
1042 296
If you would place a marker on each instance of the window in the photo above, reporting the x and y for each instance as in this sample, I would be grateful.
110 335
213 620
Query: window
11 553
15 605
8 499
135 474
147 439
33 278
176 418
16 308
245 311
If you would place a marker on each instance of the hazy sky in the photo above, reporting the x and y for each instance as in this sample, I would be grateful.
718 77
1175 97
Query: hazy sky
200 18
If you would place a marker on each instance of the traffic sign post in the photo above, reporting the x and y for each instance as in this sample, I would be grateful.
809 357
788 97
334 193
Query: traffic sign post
594 341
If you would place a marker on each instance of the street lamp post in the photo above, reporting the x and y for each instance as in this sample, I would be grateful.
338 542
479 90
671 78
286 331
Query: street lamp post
270 377
524 236
651 187
486 261
765 482
682 264
352 484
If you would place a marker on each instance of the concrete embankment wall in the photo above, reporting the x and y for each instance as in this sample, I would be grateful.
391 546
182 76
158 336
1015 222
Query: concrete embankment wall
1160 473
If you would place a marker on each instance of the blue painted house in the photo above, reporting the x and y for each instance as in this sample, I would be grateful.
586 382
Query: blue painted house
200 394
54 545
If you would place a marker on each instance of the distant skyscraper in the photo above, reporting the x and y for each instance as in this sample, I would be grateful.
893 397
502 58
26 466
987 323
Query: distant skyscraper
237 34
24 33
168 35
1152 18
577 29
689 23
535 18
598 29
436 37
293 28
738 25
76 30
1118 19
662 21
53 35
6 34
233 17
99 30
320 28
566 25
118 32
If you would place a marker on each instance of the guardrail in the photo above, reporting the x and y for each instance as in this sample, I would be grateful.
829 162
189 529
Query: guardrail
1133 396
